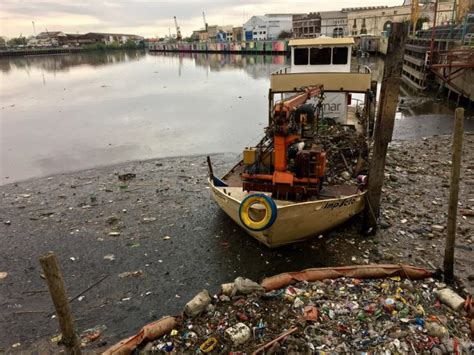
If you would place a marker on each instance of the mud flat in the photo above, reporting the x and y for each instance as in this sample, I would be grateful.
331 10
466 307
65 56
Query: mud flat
153 238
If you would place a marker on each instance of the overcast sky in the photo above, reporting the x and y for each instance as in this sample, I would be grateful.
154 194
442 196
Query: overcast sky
148 18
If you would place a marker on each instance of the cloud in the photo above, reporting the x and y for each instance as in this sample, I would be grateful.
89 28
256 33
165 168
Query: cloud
147 17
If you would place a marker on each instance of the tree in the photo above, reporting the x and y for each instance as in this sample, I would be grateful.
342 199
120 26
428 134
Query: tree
14 42
130 45
284 34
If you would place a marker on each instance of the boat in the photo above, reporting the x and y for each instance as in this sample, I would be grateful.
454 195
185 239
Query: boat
279 193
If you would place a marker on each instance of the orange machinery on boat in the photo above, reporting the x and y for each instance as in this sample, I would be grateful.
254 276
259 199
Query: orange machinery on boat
289 165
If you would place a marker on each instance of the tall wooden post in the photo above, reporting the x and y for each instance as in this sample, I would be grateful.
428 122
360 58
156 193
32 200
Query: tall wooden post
453 196
54 278
372 106
385 122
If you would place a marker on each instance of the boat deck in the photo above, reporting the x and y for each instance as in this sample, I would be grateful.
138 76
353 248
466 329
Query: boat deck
234 188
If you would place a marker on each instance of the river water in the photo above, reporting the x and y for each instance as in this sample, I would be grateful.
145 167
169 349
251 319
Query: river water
72 112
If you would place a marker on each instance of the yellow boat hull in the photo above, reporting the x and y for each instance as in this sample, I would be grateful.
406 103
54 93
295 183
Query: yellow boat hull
295 221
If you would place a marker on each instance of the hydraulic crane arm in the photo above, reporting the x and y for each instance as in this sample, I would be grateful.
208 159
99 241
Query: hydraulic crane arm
285 107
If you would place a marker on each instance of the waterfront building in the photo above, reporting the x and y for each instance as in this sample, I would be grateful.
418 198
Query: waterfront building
237 33
225 33
377 21
307 25
334 23
49 39
108 38
216 33
266 27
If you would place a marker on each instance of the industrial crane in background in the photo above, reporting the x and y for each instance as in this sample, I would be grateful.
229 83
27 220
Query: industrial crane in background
178 31
204 18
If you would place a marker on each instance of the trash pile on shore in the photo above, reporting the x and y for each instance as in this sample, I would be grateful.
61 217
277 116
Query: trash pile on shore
341 315
346 153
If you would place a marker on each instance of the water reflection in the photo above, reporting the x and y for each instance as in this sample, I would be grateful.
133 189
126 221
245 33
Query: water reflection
257 66
71 112
63 63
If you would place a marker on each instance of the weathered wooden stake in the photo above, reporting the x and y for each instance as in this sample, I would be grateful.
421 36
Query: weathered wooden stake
372 107
54 278
453 195
385 122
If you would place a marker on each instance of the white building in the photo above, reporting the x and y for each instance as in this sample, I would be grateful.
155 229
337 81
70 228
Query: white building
334 23
266 27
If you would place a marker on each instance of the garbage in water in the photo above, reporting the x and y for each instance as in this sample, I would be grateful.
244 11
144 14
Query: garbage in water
127 176
450 298
341 315
136 273
92 334
238 334
198 304
110 257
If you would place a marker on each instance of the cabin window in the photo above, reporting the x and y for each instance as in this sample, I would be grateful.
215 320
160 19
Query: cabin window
339 55
301 56
320 56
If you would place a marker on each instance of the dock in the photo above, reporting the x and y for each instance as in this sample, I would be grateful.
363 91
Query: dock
275 47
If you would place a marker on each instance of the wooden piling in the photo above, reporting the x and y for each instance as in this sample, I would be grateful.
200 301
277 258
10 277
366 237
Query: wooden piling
385 122
453 195
209 166
55 281
372 106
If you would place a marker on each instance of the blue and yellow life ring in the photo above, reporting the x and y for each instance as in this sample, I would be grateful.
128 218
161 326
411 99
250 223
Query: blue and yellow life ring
269 207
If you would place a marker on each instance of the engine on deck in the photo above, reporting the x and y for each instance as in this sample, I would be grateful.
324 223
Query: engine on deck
287 162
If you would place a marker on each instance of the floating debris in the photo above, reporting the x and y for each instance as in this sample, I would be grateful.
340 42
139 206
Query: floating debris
127 176
131 273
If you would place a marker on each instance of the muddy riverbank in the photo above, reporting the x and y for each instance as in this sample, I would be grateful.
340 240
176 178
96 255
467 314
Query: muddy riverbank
162 225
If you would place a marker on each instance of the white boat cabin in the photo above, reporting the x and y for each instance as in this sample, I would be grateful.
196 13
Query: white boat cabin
321 55
324 55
